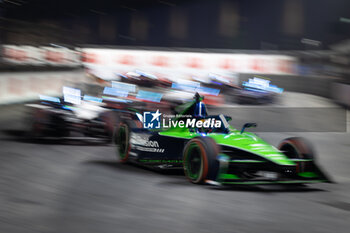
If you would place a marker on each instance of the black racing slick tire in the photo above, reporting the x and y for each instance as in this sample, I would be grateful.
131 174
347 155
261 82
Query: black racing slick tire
34 128
199 160
121 138
297 148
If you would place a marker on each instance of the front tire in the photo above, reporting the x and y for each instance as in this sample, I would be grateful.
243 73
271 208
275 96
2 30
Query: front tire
297 148
122 141
199 160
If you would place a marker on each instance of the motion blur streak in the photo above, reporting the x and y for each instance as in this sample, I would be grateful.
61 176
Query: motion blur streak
75 74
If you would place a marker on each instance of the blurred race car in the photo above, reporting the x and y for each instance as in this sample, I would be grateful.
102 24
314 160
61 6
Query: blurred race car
70 117
214 152
76 115
183 91
253 96
254 91
144 79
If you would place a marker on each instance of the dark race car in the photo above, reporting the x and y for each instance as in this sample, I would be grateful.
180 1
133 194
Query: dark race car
53 118
256 91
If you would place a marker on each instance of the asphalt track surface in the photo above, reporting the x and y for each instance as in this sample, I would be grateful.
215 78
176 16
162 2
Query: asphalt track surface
78 187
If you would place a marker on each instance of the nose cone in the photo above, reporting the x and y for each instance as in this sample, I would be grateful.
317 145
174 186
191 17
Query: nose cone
251 143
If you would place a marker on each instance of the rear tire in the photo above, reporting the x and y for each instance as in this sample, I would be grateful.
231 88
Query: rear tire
35 127
199 160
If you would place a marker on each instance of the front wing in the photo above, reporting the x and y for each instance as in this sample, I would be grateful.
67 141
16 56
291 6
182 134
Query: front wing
254 172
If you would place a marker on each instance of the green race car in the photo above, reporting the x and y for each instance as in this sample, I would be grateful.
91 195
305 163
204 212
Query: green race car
217 154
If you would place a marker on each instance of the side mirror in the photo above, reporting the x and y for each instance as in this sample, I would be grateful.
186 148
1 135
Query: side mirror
228 118
248 125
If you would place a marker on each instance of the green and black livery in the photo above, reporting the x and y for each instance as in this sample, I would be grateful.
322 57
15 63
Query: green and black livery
219 156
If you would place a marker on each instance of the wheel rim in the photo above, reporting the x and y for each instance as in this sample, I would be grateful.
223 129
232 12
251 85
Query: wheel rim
194 162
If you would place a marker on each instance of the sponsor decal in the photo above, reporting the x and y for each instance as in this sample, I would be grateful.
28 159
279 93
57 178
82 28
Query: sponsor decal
142 143
148 149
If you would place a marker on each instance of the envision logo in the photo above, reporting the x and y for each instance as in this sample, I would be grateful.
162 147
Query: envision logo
143 141
151 144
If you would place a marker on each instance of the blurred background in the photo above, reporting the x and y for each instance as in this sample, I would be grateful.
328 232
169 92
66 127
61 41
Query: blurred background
68 69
